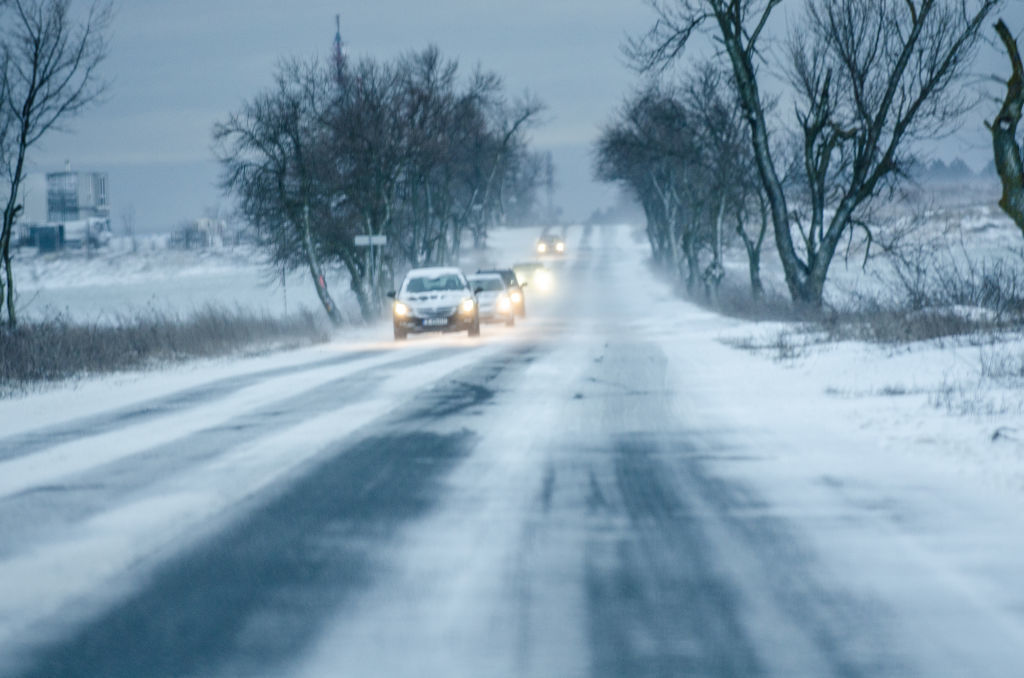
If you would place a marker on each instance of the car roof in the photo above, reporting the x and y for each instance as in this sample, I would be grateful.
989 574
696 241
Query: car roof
433 271
497 271
484 275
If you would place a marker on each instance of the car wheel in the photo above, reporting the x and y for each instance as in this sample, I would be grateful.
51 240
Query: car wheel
522 308
400 334
511 320
474 329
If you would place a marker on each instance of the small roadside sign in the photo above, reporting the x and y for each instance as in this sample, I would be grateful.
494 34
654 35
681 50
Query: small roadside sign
367 240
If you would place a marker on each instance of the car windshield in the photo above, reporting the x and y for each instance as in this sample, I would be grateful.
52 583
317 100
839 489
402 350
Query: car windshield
438 283
488 284
507 274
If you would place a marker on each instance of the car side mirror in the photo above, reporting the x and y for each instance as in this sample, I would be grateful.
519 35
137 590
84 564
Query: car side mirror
391 294
477 290
523 284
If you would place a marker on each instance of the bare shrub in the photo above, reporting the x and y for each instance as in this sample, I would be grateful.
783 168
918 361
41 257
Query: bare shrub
897 325
781 346
937 289
1002 365
58 349
976 400
734 299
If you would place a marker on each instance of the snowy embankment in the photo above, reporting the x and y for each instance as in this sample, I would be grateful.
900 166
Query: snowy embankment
955 400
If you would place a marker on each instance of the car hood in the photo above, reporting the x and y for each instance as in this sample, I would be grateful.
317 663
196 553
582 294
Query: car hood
488 296
443 298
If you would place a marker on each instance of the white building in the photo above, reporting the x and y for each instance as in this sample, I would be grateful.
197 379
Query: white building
73 196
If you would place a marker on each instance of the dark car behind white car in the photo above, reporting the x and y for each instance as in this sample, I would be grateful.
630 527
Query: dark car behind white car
493 299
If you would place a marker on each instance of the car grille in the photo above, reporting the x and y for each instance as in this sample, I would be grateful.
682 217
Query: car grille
437 311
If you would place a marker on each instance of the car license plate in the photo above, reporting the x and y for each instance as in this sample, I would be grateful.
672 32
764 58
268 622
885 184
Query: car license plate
435 322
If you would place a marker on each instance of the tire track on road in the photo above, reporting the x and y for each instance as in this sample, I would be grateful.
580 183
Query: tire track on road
35 514
255 593
179 401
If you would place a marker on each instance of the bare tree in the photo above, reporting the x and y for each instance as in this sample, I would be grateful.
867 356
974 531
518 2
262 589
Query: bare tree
654 149
364 160
1004 133
403 150
51 72
727 161
869 76
501 148
269 153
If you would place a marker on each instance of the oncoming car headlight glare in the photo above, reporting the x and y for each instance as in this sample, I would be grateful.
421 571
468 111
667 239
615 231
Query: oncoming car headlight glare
467 305
401 310
516 297
542 248
560 246
504 305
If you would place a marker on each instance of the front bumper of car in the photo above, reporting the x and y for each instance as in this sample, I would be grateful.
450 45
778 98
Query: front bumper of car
550 248
450 319
498 310
518 301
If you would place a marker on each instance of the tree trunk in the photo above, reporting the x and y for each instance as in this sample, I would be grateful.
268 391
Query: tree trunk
11 211
753 248
317 273
754 265
740 56
692 264
1004 134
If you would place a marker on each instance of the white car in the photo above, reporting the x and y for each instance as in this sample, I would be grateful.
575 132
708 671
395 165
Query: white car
435 300
493 298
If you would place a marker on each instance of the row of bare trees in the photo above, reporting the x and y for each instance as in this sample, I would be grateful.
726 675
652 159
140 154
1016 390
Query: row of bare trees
682 152
49 71
856 83
403 149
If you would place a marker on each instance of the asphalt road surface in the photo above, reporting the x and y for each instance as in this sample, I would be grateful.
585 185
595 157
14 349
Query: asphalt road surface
555 499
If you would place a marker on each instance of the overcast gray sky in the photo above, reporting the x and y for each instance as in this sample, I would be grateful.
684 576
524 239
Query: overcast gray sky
178 67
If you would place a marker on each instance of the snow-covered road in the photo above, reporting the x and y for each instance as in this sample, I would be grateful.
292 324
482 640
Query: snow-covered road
603 490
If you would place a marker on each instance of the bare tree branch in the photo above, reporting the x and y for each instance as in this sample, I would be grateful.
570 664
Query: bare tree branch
1005 146
51 73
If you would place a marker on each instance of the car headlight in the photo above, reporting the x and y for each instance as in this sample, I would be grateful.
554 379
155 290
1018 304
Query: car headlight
516 297
560 247
401 310
542 279
504 305
467 306
542 248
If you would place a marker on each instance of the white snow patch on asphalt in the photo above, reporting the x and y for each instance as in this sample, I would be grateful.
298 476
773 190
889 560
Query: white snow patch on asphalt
93 563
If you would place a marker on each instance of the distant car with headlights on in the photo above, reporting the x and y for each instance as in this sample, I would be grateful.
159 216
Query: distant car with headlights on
536 274
514 287
549 243
493 300
435 300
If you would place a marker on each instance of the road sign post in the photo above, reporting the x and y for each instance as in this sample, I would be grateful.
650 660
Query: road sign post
371 241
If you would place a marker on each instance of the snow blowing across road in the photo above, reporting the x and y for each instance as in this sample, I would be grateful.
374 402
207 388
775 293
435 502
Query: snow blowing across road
609 488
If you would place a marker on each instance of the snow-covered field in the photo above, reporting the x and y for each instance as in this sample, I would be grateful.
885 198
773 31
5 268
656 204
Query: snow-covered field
117 282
